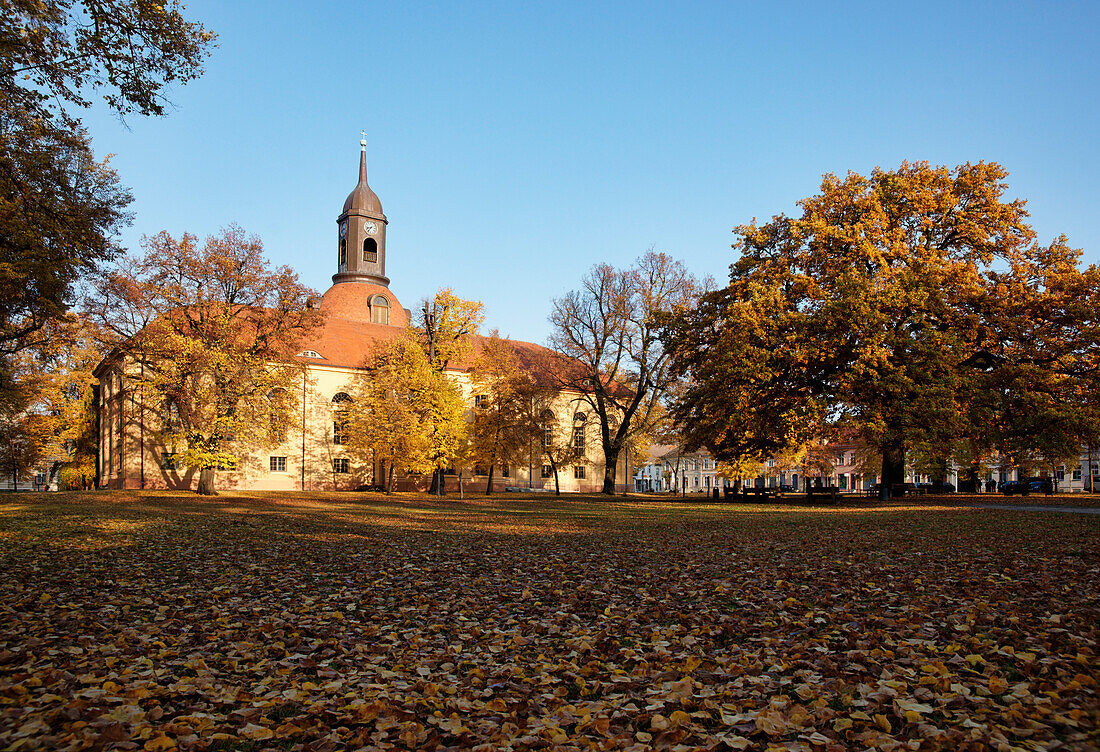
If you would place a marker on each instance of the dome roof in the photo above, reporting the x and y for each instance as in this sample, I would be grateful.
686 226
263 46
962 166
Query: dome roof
362 198
351 301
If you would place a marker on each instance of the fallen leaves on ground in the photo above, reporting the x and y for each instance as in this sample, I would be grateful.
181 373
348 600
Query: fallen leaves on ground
162 622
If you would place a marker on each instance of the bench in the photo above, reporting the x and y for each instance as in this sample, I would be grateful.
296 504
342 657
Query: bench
822 493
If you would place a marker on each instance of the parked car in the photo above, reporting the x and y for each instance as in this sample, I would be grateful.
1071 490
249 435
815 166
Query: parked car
936 488
786 488
1029 486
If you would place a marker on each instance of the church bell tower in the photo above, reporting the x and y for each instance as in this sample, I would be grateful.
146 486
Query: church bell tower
361 233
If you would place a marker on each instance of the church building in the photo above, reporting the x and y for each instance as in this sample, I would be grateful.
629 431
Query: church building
359 310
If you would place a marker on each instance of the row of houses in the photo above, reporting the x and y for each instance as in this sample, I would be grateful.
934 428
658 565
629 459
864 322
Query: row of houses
668 470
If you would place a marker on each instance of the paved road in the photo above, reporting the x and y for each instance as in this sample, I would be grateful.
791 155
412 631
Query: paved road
1032 508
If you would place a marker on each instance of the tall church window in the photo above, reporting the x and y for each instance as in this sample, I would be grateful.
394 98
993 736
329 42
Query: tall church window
379 310
170 416
340 404
578 433
370 250
343 253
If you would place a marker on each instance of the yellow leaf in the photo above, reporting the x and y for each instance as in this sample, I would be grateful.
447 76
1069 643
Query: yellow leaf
882 722
160 743
252 731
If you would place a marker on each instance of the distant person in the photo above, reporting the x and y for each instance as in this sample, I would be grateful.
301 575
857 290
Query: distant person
992 486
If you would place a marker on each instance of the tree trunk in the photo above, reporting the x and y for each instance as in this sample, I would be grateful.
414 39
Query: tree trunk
489 485
206 482
611 461
893 463
389 485
557 484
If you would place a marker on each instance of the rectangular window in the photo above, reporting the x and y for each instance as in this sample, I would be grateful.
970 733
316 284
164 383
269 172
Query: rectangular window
167 460
578 472
340 431
481 400
480 470
1077 474
278 464
547 437
547 471
505 471
578 439
340 465
1060 473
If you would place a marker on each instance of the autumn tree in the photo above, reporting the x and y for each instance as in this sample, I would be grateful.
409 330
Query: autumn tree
60 208
55 374
445 325
502 389
406 413
739 470
209 332
864 310
388 416
23 435
610 328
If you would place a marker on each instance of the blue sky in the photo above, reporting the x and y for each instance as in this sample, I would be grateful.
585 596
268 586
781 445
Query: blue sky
515 144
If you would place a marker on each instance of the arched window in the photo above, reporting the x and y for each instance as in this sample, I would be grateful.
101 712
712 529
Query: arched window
379 310
343 253
370 250
340 401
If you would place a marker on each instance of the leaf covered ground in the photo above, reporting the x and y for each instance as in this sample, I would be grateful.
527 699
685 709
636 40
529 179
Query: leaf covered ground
162 621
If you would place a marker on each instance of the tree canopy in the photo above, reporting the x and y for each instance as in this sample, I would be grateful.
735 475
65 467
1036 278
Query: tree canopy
213 329
60 208
865 310
611 330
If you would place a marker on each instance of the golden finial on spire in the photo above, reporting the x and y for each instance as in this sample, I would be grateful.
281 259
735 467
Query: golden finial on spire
363 141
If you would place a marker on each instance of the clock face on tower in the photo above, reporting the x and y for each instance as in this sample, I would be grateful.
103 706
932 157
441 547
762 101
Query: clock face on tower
343 229
370 228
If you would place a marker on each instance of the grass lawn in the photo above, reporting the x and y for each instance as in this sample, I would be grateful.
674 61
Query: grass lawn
320 622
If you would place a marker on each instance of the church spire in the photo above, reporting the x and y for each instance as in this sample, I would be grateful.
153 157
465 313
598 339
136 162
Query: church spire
362 228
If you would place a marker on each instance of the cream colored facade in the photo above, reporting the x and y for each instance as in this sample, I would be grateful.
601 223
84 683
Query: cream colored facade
360 309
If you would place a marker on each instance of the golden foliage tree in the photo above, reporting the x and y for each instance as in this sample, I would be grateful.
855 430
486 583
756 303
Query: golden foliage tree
503 389
445 326
865 309
210 331
388 415
55 373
